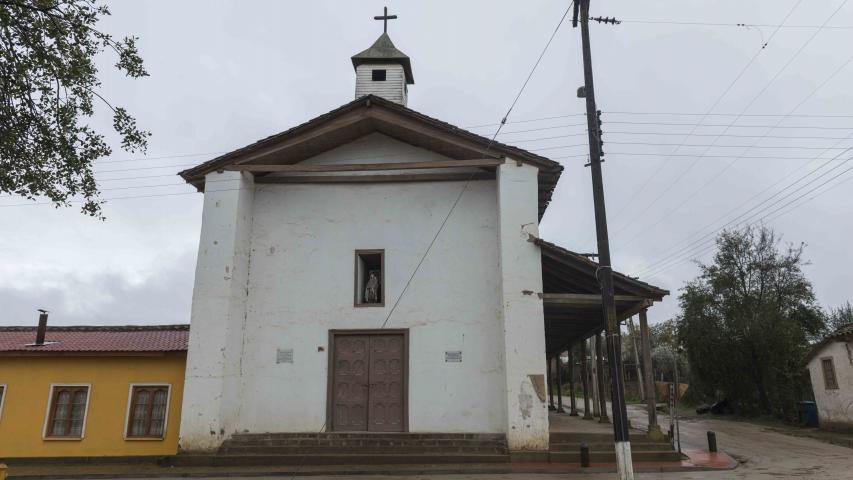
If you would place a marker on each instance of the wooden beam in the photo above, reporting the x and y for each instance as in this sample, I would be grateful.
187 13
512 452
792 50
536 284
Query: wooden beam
355 167
418 177
585 298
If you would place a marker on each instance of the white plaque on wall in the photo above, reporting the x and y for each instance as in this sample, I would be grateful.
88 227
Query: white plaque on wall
453 356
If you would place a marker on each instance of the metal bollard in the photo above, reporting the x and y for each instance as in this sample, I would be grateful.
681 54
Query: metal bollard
584 454
712 441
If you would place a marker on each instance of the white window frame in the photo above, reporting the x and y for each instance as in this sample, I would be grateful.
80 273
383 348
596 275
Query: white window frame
3 398
130 402
53 386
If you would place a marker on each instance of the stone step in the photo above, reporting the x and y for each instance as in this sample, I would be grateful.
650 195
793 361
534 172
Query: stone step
356 442
610 457
607 447
364 450
372 435
566 437
217 460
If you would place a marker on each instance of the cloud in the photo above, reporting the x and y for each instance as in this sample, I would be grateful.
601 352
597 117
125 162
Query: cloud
109 298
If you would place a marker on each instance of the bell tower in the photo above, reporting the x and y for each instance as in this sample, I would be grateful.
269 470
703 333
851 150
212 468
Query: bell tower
382 70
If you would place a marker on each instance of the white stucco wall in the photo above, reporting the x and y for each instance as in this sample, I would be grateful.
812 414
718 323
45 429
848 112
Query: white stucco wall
476 292
303 239
218 311
521 307
835 407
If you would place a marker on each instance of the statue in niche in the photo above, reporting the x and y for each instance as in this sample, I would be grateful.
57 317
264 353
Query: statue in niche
371 288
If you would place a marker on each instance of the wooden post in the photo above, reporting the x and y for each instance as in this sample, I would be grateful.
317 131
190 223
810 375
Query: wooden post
640 378
593 378
550 387
602 397
648 377
587 414
573 411
560 383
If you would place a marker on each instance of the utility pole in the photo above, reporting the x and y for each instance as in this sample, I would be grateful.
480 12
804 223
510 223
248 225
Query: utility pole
624 466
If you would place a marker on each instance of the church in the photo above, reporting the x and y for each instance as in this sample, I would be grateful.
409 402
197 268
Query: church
375 269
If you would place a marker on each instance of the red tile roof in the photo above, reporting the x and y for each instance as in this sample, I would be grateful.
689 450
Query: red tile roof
143 338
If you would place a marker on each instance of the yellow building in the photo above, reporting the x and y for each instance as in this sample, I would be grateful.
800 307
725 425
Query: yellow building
91 391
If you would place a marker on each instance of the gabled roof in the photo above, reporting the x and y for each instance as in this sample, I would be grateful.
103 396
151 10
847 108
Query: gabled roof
96 339
843 333
371 114
384 51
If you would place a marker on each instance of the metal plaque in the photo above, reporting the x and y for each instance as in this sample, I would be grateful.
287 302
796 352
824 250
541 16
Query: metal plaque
453 356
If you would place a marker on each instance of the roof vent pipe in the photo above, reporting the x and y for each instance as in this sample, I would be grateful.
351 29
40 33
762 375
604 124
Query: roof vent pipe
42 328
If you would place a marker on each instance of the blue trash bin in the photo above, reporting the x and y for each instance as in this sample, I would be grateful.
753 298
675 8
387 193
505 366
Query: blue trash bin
807 413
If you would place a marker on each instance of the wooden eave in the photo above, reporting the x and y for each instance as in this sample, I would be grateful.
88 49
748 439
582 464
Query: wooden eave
572 301
367 115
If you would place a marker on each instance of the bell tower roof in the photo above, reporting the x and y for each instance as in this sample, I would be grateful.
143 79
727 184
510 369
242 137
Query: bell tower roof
384 51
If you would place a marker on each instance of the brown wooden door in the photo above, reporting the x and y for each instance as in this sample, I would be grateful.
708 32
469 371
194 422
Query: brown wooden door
368 389
385 403
349 401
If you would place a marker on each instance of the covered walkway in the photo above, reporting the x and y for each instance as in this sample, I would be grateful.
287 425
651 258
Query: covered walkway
574 321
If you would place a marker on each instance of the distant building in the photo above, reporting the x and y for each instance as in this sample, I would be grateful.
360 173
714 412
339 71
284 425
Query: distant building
91 391
831 369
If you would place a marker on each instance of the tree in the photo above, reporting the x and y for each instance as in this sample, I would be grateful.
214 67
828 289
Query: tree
48 91
839 317
664 341
747 321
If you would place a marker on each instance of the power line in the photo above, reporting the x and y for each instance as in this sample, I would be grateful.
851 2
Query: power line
779 72
690 243
709 236
711 125
678 205
691 114
734 24
710 109
657 272
465 187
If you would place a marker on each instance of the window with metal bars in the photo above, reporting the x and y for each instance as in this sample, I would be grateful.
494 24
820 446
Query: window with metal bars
147 416
67 411
829 379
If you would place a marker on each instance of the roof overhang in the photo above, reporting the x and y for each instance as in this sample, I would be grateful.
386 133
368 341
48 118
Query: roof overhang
371 114
572 297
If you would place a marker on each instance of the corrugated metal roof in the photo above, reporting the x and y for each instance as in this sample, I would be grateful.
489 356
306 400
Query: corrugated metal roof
143 338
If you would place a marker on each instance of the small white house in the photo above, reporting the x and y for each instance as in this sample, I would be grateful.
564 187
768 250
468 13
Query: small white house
831 370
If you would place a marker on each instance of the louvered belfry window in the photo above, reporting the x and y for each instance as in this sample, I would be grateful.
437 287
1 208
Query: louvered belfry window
67 411
148 406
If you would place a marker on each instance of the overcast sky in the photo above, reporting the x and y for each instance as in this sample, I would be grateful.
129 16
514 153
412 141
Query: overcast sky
224 74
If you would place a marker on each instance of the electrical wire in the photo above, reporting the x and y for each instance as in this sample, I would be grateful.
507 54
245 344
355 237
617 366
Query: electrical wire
678 205
772 80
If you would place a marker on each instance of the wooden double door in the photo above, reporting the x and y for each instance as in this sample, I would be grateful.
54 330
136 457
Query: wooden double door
368 381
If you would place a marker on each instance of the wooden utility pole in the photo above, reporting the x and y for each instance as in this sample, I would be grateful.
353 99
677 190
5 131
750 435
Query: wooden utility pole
624 466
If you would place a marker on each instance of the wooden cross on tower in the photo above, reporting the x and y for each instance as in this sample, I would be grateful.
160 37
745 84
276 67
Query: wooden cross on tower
385 19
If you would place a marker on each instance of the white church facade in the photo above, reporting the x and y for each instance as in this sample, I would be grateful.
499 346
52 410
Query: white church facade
378 270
